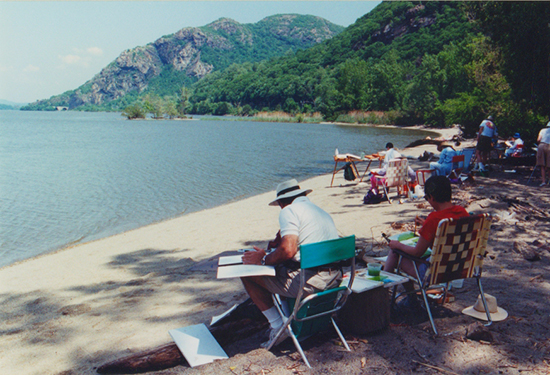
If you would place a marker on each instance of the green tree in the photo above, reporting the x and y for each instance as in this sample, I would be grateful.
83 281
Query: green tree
522 31
134 111
246 110
154 105
183 101
222 109
169 108
290 106
353 84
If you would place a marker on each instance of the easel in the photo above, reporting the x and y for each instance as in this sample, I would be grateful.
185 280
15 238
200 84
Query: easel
350 158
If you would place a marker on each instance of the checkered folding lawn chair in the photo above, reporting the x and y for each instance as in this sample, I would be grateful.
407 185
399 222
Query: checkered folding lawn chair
396 176
458 251
422 175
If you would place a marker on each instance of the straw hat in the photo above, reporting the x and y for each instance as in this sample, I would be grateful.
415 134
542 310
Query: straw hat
478 311
288 189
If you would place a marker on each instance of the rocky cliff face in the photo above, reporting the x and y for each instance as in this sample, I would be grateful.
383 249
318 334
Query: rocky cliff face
188 50
410 23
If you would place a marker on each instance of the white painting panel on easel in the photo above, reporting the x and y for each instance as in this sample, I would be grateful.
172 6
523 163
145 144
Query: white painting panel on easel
197 345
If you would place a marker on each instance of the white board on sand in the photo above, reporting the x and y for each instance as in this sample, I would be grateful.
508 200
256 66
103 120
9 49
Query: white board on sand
197 345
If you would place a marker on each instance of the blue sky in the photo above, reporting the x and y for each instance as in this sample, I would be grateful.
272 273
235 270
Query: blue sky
49 47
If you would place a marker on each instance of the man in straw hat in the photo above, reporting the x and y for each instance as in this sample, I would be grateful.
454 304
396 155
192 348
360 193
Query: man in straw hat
300 222
438 193
543 154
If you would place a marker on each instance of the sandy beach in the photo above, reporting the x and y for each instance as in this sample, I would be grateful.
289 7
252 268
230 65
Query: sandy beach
71 311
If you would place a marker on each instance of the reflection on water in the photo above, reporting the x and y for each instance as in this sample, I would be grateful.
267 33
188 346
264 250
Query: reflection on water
69 177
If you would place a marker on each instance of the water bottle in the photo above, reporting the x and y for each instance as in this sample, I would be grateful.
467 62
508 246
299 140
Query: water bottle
336 151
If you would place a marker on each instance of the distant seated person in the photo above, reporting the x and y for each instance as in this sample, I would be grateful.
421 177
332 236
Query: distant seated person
300 222
438 194
445 163
514 145
391 154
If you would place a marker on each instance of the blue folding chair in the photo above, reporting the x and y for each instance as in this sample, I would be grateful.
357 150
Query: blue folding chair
314 313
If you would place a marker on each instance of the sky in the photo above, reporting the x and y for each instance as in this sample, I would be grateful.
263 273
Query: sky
49 47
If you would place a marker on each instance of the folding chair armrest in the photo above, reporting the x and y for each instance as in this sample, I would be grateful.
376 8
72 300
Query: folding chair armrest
411 257
328 291
320 294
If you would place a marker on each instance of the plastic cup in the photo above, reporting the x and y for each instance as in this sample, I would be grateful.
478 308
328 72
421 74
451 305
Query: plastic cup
373 269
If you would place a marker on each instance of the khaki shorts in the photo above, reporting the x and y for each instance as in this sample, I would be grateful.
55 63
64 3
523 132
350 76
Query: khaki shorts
543 155
286 282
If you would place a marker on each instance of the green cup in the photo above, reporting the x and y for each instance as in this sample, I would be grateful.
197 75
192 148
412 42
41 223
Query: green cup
373 269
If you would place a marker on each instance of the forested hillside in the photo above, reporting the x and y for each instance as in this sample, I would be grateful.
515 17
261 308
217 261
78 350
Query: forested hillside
162 68
438 63
378 63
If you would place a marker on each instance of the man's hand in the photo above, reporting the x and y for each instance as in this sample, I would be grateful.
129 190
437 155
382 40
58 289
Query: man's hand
275 242
254 257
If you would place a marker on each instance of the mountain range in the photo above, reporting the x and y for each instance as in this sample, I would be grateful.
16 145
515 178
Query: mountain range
182 58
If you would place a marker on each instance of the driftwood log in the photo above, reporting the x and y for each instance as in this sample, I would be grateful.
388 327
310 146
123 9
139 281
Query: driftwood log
421 142
363 313
168 355
245 321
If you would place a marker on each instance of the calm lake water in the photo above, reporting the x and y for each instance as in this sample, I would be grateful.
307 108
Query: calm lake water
72 177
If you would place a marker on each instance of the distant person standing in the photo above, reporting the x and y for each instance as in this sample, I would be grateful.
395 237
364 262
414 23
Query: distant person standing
487 131
543 154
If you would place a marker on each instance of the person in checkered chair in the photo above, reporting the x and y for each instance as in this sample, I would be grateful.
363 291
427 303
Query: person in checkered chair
438 193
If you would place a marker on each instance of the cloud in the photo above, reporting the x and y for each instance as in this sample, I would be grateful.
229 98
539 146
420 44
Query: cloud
80 57
31 68
95 51
71 59
5 68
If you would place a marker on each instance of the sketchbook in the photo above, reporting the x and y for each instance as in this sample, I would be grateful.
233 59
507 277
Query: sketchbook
244 270
230 259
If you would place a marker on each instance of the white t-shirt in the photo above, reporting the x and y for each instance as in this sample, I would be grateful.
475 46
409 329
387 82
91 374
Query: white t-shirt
488 129
390 154
307 221
544 135
515 144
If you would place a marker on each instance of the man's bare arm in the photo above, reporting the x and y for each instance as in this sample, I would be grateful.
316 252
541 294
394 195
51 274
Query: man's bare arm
285 251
